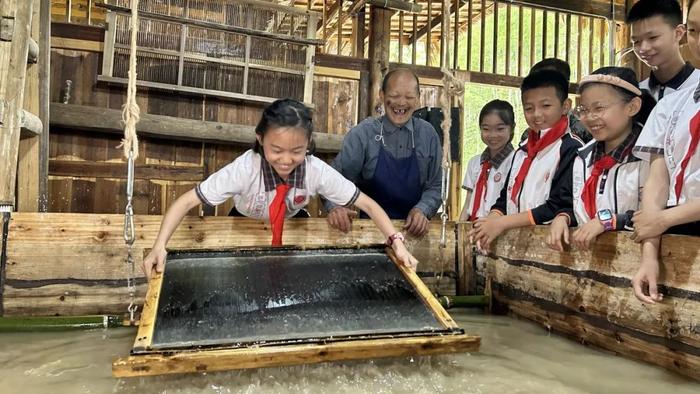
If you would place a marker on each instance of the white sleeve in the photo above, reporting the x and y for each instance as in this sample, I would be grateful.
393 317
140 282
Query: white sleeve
472 173
333 186
651 139
225 183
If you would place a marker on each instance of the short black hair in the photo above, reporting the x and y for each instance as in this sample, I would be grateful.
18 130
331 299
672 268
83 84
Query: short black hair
553 63
400 70
285 112
502 109
670 10
545 79
627 74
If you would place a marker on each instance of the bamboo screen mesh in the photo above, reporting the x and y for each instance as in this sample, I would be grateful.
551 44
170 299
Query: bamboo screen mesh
246 49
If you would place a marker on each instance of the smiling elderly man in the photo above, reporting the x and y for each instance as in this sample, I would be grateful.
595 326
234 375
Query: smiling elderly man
394 159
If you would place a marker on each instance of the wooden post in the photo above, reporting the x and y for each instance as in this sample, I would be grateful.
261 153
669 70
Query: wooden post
28 178
363 102
44 100
379 36
16 18
358 33
310 53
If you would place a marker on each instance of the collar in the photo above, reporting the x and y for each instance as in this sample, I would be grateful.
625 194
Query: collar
272 179
622 151
499 157
390 128
696 93
676 81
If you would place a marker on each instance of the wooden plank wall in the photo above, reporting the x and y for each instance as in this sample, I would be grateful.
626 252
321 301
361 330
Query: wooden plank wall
86 169
74 264
588 294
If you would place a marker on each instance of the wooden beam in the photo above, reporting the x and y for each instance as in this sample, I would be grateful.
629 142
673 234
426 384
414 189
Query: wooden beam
433 23
397 5
44 279
13 70
76 45
588 293
362 65
217 26
109 120
594 7
77 32
88 169
268 356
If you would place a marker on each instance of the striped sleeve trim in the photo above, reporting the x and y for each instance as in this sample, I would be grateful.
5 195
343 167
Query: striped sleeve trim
201 196
354 198
532 218
649 149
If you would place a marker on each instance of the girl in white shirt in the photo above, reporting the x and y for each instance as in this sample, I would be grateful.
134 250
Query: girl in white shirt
607 178
486 172
275 180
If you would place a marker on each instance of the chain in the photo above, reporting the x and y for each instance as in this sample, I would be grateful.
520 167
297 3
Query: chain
444 193
129 238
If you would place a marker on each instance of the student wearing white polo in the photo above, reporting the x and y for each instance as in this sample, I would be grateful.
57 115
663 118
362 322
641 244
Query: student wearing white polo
607 178
275 180
486 172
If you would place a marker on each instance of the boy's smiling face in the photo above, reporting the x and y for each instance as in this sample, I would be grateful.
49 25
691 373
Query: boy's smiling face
655 41
542 107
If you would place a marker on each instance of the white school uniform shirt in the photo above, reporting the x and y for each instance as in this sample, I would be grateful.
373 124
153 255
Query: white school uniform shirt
618 189
495 181
243 180
688 77
552 163
667 132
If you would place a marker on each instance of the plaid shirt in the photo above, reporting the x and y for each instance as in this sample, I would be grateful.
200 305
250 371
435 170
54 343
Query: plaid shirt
622 151
499 157
272 179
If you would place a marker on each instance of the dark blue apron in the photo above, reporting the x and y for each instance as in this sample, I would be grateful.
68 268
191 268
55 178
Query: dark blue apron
396 184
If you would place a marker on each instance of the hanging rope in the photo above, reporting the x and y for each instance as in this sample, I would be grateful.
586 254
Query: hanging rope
131 116
451 88
131 112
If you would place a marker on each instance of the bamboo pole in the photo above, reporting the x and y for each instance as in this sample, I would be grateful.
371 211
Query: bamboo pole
464 301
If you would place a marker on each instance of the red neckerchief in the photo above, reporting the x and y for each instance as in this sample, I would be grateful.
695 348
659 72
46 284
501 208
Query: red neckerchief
480 189
278 208
588 195
535 145
694 140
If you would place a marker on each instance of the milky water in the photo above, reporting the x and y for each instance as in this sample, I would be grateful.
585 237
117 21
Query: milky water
516 357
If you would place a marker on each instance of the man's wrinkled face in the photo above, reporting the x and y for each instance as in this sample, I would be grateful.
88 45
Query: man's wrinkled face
400 98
